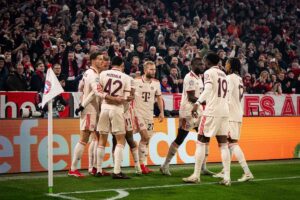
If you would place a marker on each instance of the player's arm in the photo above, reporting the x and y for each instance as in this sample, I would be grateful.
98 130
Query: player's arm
161 107
205 94
160 102
191 96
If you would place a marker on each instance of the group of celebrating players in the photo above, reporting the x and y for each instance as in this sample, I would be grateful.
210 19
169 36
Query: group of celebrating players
113 102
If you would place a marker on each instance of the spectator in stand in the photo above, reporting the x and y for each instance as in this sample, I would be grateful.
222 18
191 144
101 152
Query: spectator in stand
263 84
16 80
70 69
276 85
3 73
165 86
258 30
248 83
290 83
57 71
38 78
174 81
152 54
162 68
134 66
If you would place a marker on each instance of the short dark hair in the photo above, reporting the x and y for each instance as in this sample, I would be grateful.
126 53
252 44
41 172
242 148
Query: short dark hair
117 61
94 55
235 65
213 58
196 61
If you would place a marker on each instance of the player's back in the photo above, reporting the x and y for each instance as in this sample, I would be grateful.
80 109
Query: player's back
115 83
217 101
236 89
88 78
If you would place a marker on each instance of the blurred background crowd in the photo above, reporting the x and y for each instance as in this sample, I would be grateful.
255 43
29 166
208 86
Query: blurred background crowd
263 34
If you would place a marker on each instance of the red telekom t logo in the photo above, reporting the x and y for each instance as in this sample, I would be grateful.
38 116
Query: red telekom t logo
146 96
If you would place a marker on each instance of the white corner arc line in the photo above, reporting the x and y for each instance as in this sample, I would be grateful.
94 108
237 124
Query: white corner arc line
122 194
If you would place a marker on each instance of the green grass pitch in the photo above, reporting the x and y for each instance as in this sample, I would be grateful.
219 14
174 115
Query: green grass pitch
273 180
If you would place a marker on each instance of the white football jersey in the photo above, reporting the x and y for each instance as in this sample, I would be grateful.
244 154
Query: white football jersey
235 95
191 82
90 82
145 93
115 83
217 99
128 106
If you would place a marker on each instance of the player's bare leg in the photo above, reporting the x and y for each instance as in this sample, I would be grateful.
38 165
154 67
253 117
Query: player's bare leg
238 153
143 151
78 151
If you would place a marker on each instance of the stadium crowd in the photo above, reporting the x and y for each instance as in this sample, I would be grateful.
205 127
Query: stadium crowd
263 34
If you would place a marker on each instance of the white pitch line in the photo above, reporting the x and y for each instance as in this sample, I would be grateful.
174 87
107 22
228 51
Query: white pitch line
122 194
63 195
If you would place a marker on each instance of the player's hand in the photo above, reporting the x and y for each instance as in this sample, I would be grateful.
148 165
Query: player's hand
130 98
79 109
120 100
161 116
194 111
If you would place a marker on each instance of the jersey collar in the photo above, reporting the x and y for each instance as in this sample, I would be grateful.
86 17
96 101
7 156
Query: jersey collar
114 68
144 80
94 69
194 75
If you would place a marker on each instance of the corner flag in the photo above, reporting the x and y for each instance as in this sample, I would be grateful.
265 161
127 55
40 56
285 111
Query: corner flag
52 87
51 90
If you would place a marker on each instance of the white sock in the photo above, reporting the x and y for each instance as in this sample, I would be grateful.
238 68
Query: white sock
91 155
95 154
135 155
199 158
225 155
118 154
100 157
172 151
238 153
206 155
142 152
79 148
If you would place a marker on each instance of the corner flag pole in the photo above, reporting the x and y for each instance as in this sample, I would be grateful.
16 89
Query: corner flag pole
50 147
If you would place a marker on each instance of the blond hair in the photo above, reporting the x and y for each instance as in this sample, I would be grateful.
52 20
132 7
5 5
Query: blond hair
148 63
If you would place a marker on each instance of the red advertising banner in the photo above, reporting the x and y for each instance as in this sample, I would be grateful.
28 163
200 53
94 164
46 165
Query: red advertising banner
12 102
23 143
254 104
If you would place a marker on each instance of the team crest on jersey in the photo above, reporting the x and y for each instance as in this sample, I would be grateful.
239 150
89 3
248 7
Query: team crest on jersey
206 77
97 80
140 86
141 125
47 87
152 88
191 82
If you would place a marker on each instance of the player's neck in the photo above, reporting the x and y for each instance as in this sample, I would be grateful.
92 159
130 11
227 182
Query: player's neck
95 69
145 78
